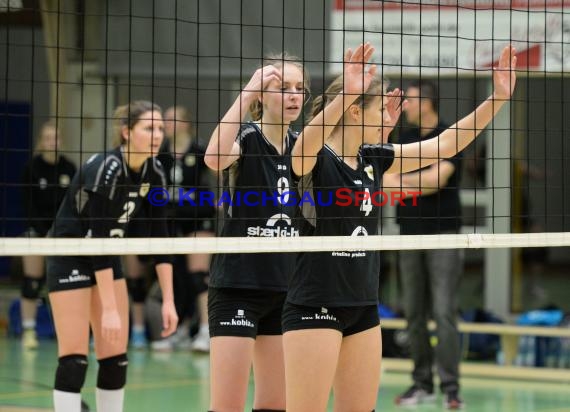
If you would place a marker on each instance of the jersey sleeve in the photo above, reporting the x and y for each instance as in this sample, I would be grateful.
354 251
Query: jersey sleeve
101 174
245 131
380 156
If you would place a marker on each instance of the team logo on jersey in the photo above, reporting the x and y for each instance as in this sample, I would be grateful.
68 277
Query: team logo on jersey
145 187
369 171
189 160
359 231
64 180
43 183
271 228
117 233
176 174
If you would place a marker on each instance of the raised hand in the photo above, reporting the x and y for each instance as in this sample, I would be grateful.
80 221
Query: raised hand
504 76
357 77
392 111
259 81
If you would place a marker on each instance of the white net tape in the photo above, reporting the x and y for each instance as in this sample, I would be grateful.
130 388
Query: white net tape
151 246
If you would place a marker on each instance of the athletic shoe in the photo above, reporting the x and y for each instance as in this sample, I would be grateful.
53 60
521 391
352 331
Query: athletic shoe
414 396
453 401
201 342
29 339
138 339
162 345
184 343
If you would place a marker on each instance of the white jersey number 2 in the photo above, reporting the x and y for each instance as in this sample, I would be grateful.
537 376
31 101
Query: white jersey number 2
129 208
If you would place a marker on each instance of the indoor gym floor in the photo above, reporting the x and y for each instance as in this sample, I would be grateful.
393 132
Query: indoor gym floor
178 381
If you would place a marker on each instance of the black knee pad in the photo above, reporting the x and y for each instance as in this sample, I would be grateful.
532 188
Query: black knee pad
137 289
31 287
200 280
70 374
112 373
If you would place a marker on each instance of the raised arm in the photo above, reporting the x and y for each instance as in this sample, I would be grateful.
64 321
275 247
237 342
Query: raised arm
223 149
357 79
410 157
425 181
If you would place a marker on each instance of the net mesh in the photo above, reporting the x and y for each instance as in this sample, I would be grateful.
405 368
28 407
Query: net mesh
74 62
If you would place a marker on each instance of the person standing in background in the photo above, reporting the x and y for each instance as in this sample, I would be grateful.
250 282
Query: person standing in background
89 292
183 160
430 278
45 180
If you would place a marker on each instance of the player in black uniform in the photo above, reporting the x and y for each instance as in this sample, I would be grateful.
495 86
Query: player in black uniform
86 291
330 321
247 291
45 180
183 160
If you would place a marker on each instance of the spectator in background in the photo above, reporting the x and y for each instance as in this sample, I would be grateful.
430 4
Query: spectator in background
430 278
45 180
183 160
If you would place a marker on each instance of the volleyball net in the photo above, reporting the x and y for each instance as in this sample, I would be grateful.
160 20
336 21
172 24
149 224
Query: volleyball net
74 62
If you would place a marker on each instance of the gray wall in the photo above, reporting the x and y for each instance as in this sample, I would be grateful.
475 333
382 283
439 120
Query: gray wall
24 74
203 51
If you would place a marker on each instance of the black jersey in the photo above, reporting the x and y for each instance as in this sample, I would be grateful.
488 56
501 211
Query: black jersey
436 213
329 204
44 185
105 195
258 201
188 186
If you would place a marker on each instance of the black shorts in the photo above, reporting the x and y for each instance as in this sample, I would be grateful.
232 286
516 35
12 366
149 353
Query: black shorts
72 272
348 320
244 312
